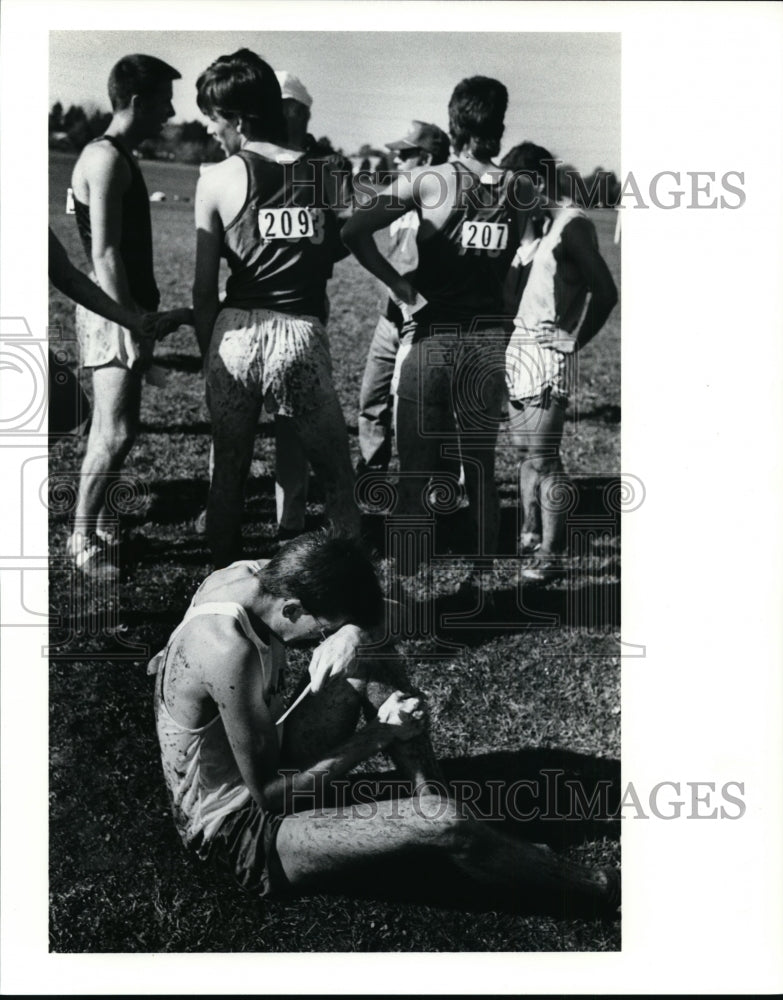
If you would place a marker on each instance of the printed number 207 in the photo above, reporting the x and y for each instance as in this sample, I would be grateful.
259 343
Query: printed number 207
485 235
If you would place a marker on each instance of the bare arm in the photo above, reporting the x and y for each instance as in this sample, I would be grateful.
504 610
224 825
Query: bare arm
580 245
72 282
209 240
108 178
338 653
77 286
238 691
380 211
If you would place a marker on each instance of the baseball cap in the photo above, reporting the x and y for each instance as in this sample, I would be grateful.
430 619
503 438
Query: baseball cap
423 135
292 88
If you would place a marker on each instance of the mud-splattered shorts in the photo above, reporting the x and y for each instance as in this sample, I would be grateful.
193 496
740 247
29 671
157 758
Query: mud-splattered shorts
245 845
283 359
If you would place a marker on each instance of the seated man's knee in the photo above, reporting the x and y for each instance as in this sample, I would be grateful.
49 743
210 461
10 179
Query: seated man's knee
446 823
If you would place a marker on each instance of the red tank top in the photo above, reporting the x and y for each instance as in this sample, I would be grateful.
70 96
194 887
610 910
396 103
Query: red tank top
272 266
462 266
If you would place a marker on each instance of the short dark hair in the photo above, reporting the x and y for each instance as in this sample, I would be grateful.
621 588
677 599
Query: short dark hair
140 75
476 112
243 85
534 161
330 575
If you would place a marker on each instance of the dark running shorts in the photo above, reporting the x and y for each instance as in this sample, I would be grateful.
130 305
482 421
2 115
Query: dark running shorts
246 846
458 369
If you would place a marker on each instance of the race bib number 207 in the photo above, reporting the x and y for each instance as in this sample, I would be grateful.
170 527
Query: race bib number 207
484 235
286 223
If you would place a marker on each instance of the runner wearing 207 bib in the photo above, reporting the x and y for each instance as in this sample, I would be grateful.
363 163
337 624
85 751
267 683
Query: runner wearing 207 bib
450 367
266 211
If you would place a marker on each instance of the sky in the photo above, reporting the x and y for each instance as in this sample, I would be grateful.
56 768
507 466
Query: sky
564 87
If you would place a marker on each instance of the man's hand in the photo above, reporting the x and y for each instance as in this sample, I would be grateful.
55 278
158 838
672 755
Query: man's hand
406 713
403 291
336 656
156 326
556 339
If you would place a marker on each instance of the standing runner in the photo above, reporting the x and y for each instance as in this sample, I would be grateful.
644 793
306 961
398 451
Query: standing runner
450 370
424 145
559 302
113 216
265 209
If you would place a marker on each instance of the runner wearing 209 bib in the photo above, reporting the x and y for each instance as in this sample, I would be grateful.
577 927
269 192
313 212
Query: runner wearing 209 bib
450 367
265 210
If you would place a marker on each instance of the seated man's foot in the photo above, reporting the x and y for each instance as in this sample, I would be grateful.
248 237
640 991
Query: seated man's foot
200 524
92 556
529 541
544 567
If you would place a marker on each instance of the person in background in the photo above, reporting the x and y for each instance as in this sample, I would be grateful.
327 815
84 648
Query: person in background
68 406
450 366
423 145
292 469
560 293
265 210
113 217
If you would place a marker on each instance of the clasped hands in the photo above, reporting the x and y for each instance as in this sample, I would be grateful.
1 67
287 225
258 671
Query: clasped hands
337 656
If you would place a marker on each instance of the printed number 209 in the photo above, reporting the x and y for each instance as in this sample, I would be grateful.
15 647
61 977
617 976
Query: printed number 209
285 223
485 235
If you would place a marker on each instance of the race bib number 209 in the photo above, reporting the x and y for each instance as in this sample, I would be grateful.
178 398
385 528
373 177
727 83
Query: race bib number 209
286 223
484 235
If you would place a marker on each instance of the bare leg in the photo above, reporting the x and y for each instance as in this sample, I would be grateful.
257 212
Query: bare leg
537 432
531 509
315 849
234 407
324 439
291 475
115 421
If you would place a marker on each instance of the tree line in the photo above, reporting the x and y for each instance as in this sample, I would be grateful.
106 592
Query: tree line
189 142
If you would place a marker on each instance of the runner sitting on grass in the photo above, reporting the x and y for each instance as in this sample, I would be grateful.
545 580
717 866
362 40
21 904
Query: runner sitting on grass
559 303
236 773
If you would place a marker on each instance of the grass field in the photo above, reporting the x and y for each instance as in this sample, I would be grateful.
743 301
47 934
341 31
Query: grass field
531 689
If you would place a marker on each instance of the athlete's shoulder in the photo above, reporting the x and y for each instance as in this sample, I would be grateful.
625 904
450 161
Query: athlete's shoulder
217 642
213 175
102 152
217 180
101 160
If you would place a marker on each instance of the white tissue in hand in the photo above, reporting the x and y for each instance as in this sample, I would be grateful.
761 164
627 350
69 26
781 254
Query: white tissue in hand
398 708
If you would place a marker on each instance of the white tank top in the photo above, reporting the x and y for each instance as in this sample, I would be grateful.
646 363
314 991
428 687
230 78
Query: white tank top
202 777
555 293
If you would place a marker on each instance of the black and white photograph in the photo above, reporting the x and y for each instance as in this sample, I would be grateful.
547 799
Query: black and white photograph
367 340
